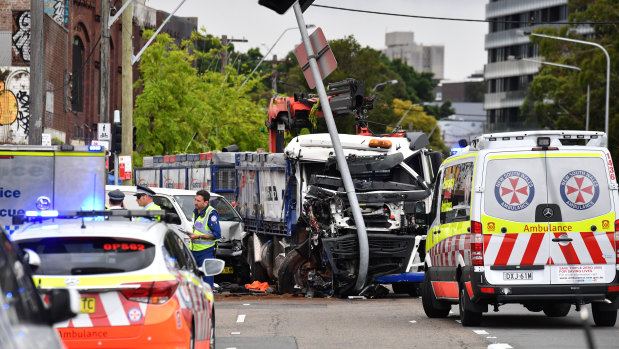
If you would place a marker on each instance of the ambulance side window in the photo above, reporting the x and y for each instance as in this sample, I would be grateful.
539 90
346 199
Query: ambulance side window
455 203
435 195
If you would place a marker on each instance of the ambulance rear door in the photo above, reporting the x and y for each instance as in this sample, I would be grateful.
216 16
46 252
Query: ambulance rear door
582 217
516 246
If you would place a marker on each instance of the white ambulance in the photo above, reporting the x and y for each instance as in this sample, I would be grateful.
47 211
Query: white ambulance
524 217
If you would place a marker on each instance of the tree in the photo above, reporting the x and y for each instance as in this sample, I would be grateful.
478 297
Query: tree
440 111
557 97
181 110
418 120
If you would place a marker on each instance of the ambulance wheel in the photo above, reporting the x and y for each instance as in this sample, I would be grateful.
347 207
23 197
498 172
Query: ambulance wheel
467 317
432 306
603 317
557 309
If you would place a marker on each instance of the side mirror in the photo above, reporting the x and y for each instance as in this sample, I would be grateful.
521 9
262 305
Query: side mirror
173 218
32 259
421 217
212 267
64 304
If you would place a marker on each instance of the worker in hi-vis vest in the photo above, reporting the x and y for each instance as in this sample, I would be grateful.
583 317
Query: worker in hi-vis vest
144 197
205 231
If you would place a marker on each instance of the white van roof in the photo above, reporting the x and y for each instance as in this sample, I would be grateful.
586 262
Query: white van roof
530 139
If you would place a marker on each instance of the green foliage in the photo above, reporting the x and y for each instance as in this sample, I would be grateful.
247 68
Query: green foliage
440 111
418 120
557 97
181 110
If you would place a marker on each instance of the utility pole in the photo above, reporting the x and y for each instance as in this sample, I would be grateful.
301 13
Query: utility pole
275 74
104 64
37 72
127 82
224 53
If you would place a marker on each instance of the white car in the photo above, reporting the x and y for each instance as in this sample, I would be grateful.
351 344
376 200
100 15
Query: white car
181 202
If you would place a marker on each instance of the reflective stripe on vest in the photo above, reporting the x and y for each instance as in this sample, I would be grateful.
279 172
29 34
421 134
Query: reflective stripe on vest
150 207
200 227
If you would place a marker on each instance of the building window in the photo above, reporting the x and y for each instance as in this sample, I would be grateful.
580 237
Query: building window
77 79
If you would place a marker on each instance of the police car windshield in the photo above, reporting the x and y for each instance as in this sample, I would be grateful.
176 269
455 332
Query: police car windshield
223 207
90 255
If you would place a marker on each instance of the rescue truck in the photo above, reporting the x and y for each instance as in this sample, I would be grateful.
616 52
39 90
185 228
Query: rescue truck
524 217
64 177
302 234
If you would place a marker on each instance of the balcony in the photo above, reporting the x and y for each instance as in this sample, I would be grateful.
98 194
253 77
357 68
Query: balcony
500 100
511 68
509 7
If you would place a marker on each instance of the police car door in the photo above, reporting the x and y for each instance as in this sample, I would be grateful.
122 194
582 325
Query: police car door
581 216
516 246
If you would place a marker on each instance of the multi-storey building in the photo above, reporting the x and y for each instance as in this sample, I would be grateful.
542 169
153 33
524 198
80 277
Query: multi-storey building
506 74
72 64
429 59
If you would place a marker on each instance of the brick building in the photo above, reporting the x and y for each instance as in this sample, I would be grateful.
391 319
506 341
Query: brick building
71 39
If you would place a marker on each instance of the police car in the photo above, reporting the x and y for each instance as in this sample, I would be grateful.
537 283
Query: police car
524 217
139 283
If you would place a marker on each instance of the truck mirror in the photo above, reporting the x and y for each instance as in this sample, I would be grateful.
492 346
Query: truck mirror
421 218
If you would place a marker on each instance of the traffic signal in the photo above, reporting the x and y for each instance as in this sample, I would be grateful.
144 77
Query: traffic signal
117 137
281 6
346 96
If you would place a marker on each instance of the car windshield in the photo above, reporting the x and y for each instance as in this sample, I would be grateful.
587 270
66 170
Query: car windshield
90 255
223 207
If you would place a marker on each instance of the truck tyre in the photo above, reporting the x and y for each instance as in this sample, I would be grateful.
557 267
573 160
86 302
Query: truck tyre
557 309
603 317
256 270
467 317
405 287
432 306
291 273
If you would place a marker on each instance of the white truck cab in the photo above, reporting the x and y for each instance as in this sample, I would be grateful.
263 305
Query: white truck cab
525 217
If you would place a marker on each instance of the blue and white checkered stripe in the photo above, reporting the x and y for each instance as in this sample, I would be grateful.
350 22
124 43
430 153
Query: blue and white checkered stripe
10 229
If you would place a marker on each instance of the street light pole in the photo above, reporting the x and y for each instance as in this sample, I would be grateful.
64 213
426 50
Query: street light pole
607 71
269 51
568 67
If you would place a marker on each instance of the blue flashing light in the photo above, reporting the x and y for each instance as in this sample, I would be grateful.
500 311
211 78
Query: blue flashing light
455 150
94 219
51 213
94 148
32 213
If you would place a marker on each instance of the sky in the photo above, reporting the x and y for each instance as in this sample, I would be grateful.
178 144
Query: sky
463 41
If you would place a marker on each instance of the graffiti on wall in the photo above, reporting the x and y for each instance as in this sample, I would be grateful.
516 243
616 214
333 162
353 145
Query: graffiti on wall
21 38
58 10
15 106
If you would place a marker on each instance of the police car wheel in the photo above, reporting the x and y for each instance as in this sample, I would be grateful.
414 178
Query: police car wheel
557 309
603 317
432 306
467 317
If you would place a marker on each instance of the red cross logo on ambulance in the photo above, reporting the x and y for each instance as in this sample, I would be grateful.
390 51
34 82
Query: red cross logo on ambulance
514 190
579 190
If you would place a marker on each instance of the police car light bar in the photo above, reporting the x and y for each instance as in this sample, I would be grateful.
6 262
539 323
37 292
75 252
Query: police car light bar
38 216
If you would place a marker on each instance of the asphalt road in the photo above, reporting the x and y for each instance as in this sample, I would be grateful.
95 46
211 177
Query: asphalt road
397 321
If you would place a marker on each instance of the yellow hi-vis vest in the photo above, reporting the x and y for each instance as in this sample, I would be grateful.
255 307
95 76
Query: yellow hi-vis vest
152 206
200 227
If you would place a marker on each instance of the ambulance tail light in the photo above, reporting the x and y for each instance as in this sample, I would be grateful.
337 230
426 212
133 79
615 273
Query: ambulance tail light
617 242
477 244
155 292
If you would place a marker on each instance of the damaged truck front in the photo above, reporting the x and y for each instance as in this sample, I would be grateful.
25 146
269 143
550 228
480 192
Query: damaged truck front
302 232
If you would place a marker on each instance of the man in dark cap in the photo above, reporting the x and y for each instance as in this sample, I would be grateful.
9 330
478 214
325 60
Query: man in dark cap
116 200
144 197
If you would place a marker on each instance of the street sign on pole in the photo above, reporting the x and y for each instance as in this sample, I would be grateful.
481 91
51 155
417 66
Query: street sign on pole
104 131
124 167
324 57
46 139
105 144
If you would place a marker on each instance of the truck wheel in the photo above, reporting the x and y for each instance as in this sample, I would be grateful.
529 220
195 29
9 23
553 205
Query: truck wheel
256 270
432 306
557 309
603 317
292 272
405 287
467 317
